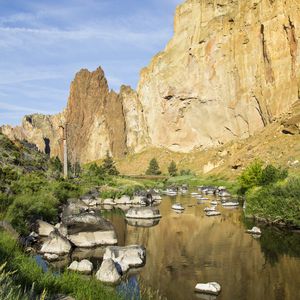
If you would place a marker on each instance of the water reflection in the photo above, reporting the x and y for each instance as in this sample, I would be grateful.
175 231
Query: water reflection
184 249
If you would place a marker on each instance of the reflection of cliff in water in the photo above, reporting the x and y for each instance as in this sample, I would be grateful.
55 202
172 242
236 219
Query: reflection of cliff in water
276 242
189 248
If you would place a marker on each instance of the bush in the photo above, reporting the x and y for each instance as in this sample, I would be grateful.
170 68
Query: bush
26 209
108 166
278 202
256 175
153 168
172 169
185 172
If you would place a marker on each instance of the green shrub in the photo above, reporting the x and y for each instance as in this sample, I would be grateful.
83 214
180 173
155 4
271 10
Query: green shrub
185 172
278 202
153 168
26 209
172 169
256 175
108 165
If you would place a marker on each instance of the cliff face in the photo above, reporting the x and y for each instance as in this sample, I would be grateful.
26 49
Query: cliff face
231 68
97 120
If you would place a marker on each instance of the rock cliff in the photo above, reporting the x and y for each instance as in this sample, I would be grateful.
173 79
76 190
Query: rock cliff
231 68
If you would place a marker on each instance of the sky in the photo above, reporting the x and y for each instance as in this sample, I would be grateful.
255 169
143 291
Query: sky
43 43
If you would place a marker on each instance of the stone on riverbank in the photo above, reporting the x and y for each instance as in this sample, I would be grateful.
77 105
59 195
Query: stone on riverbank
84 266
143 213
208 288
123 200
56 244
44 228
254 230
108 272
86 239
127 257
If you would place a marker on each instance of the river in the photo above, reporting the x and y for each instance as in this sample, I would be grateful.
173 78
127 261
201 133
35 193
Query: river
188 248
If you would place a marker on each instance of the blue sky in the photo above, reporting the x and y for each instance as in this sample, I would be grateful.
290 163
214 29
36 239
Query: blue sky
43 43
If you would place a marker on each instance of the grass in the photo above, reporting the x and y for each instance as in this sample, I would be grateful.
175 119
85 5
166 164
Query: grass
28 273
277 203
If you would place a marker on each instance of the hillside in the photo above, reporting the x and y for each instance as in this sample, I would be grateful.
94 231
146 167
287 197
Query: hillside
277 144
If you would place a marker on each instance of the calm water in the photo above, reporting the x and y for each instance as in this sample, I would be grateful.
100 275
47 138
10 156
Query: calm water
184 249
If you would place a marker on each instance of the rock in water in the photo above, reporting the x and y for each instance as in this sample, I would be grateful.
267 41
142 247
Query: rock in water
84 266
254 230
208 288
143 213
108 272
56 244
87 239
127 257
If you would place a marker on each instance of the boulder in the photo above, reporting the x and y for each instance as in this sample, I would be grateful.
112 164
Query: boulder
56 244
86 239
74 207
108 201
84 266
254 230
88 253
44 228
123 200
127 257
108 272
208 288
87 222
142 222
137 200
143 213
51 257
62 229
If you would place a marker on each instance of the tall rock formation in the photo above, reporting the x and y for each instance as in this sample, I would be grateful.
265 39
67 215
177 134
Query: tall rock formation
231 68
97 120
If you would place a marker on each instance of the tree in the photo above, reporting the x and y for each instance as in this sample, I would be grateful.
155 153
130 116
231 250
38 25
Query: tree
251 176
172 168
108 165
55 164
153 168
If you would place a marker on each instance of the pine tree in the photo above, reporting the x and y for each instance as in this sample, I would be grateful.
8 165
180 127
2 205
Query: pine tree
153 168
172 168
108 165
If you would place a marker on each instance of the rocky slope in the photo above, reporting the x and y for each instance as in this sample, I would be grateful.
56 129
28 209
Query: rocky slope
229 71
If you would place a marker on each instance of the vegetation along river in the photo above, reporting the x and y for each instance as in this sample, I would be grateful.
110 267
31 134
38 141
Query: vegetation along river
186 248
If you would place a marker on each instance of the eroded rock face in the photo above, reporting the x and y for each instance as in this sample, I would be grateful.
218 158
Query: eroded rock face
230 69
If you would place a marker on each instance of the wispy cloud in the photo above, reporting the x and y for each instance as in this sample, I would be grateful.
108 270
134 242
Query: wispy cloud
43 44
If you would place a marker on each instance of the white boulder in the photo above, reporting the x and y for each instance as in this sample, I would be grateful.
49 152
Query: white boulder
108 272
108 201
127 257
208 288
84 266
91 239
143 213
62 229
51 257
123 200
254 230
56 244
44 228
